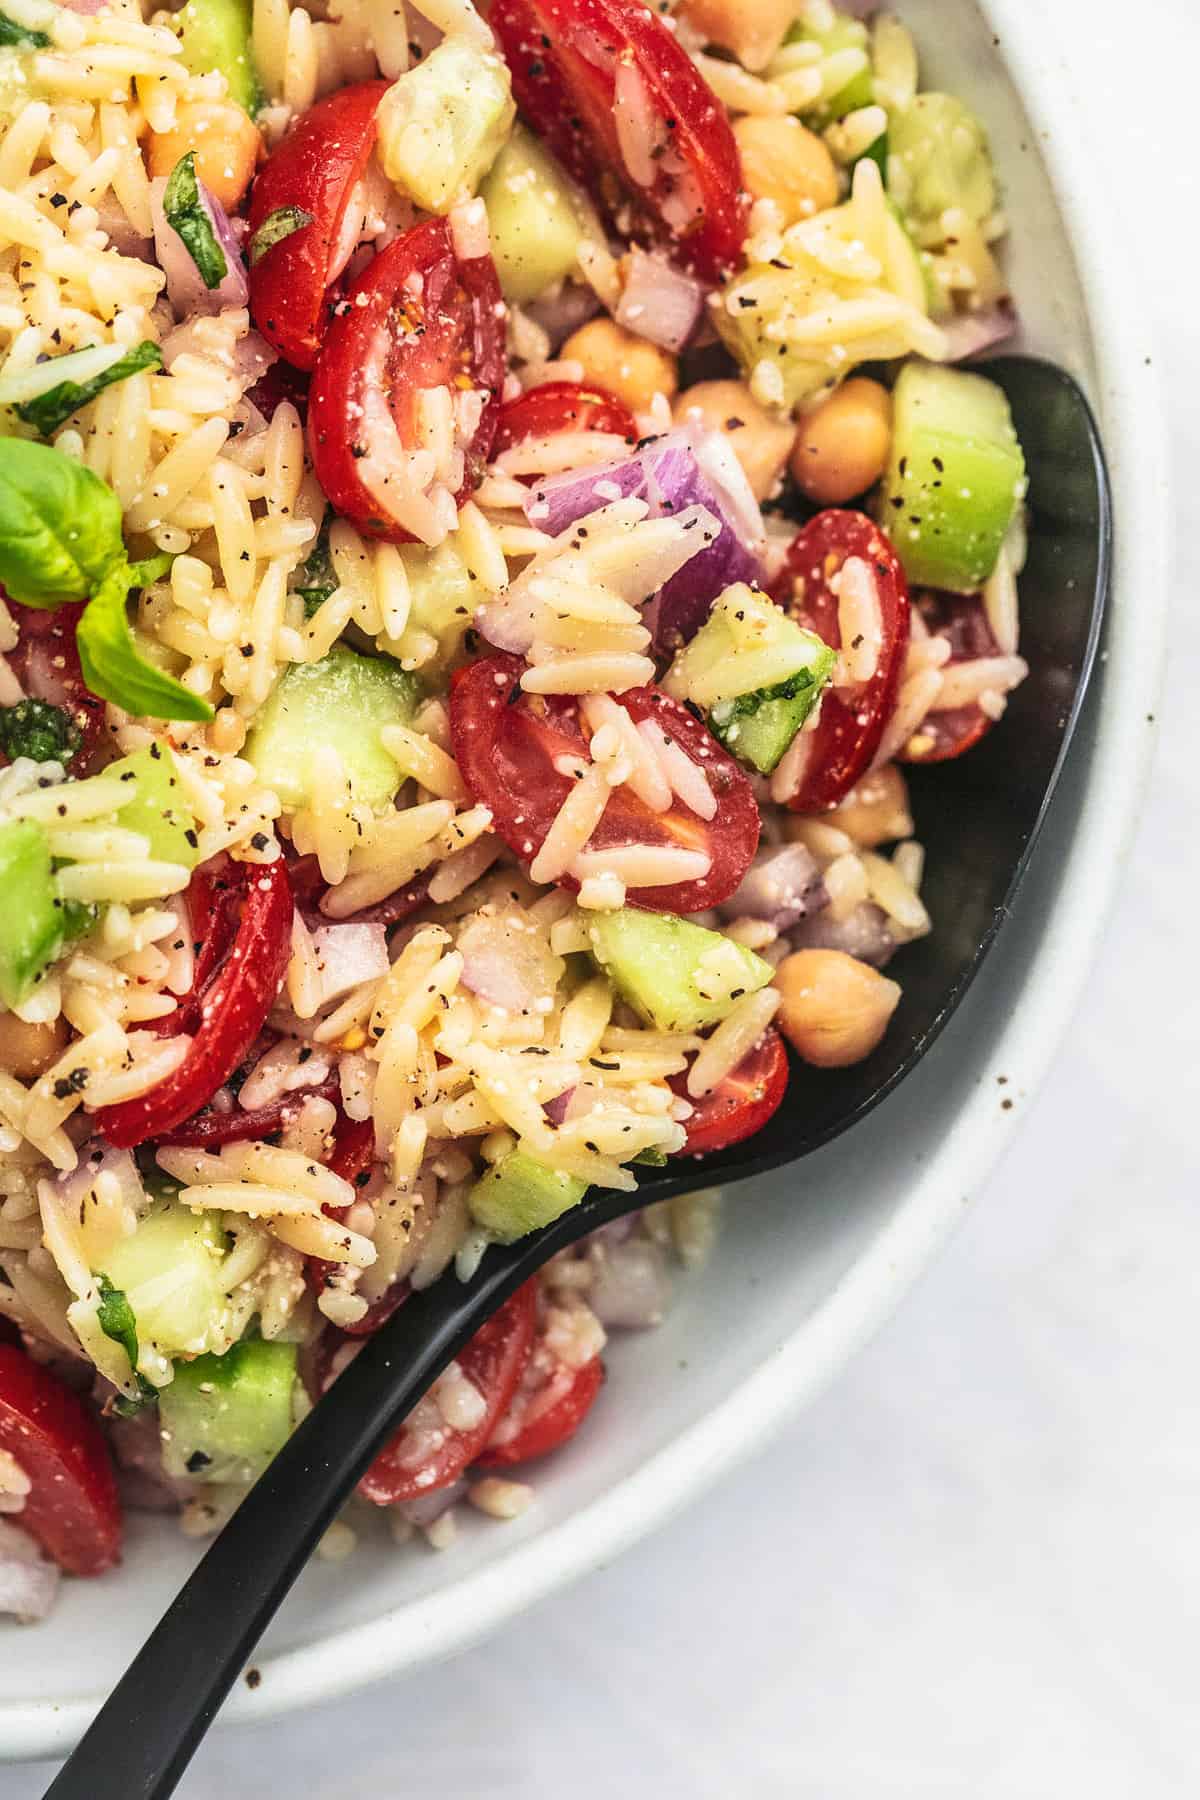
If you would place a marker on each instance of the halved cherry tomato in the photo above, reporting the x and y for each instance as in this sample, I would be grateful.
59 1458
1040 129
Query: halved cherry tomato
506 743
622 105
556 406
46 663
852 719
420 1461
418 317
231 1012
314 168
962 620
743 1102
549 1406
209 1129
71 1508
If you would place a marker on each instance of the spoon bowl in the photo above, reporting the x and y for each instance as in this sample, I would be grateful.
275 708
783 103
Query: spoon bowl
978 817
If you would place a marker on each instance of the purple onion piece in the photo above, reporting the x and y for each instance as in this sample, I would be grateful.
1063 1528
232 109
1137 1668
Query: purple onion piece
659 302
782 886
865 934
969 334
684 467
185 284
556 1109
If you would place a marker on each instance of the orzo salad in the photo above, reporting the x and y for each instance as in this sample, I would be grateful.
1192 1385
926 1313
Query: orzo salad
489 509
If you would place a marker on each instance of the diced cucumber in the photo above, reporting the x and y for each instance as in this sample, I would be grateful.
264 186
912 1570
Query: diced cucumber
31 919
938 159
844 34
956 476
443 599
443 122
518 1195
215 34
534 218
678 976
223 1417
169 1271
757 728
343 701
156 806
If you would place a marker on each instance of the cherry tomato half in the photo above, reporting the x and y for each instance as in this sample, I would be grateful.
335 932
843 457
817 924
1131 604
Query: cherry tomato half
419 317
962 620
557 406
315 169
46 663
549 1406
71 1508
623 107
852 719
506 743
419 1461
743 1102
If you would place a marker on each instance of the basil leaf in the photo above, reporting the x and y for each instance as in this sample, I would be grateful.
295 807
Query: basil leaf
36 729
49 410
60 525
275 227
317 578
112 665
117 1321
187 216
22 37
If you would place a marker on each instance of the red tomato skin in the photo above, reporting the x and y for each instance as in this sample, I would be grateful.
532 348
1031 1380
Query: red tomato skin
503 744
315 167
208 1130
561 406
743 1102
848 734
72 1508
46 663
370 348
494 1362
231 1014
564 56
962 620
553 1427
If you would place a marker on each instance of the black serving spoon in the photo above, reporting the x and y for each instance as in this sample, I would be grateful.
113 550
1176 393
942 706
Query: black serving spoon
978 818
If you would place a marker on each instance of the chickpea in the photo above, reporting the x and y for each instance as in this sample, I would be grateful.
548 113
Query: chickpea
226 143
758 439
785 162
27 1051
835 1009
628 366
876 811
752 29
842 445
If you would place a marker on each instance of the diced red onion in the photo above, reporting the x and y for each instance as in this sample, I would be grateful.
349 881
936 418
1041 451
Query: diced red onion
682 468
556 1109
630 1285
782 886
185 284
427 1509
865 933
98 1161
969 334
28 1583
507 964
348 955
564 312
659 301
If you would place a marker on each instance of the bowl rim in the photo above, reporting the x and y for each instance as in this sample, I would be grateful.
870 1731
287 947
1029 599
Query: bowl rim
1129 401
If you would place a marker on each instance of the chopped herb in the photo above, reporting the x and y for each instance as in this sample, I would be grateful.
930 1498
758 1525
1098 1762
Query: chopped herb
275 227
49 410
42 732
189 219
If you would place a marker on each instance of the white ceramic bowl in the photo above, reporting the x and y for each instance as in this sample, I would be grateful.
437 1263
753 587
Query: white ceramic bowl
813 1259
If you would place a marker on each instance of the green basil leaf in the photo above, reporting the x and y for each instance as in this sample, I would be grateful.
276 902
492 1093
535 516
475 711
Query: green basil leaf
60 525
117 1321
21 37
188 218
52 408
275 227
112 665
36 729
317 578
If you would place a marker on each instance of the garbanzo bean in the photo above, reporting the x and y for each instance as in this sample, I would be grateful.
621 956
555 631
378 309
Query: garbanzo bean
835 1009
842 445
226 143
752 29
876 811
627 366
785 162
27 1051
758 439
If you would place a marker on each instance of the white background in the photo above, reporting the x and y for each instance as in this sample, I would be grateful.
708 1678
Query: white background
973 1568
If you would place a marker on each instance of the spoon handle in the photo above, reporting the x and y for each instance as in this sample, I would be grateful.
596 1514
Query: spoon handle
145 1734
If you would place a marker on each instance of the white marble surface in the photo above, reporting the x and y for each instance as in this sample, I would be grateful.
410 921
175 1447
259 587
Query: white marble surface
973 1568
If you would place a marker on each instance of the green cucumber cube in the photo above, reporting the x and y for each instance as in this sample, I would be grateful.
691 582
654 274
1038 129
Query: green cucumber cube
519 1195
170 1272
442 124
534 219
344 701
678 976
938 159
31 920
215 34
224 1417
156 806
955 479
